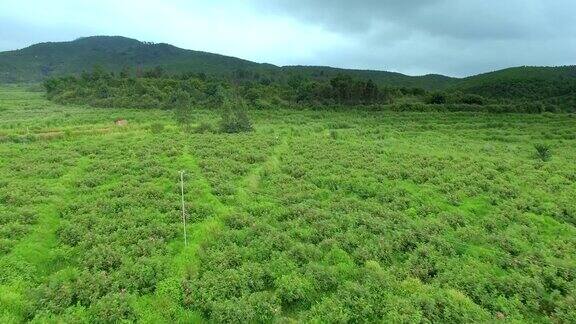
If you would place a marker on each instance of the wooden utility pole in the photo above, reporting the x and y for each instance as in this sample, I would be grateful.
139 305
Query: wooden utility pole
183 210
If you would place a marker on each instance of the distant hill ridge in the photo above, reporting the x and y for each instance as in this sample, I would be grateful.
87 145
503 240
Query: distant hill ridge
36 62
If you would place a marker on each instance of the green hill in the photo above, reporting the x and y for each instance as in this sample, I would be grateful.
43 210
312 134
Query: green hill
429 82
548 85
37 62
522 81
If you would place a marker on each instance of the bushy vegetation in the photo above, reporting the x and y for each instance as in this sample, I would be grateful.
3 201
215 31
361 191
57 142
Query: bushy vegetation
522 89
182 92
235 121
313 216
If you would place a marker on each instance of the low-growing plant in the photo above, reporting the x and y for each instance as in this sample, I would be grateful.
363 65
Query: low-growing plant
156 128
543 152
204 127
112 308
333 134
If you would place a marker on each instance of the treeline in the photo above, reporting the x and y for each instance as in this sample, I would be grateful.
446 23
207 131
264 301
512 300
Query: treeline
156 89
527 89
150 90
539 95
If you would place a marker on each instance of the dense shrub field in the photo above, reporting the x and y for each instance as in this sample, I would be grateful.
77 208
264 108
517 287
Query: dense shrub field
313 216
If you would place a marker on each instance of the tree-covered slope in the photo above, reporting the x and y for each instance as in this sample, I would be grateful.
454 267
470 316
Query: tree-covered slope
42 60
39 61
428 82
529 83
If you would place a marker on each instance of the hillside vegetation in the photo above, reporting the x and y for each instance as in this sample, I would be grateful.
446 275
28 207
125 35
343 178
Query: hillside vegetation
547 85
104 71
41 61
157 88
35 63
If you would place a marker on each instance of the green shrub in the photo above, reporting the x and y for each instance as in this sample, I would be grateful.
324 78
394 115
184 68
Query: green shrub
157 128
265 305
472 99
329 310
58 293
543 152
235 121
333 134
231 311
103 257
112 308
204 127
294 289
416 107
437 98
183 114
179 98
259 307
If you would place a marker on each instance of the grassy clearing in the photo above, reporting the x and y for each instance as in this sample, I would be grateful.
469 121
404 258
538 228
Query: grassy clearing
314 216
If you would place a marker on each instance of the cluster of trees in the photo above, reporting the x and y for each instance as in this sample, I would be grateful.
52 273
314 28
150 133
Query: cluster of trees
156 89
342 89
152 90
550 94
523 88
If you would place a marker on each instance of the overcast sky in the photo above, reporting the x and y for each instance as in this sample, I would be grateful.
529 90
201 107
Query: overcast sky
452 37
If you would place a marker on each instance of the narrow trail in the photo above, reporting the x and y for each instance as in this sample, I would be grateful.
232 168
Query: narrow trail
201 191
59 134
167 300
252 180
36 255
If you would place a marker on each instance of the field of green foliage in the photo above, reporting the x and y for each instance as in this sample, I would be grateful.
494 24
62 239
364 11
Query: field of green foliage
315 216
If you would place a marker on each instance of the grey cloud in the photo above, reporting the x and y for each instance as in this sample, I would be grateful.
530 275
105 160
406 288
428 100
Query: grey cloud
457 37
342 15
451 18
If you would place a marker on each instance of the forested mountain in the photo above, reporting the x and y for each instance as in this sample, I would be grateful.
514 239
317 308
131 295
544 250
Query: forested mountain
37 62
114 53
428 82
549 84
